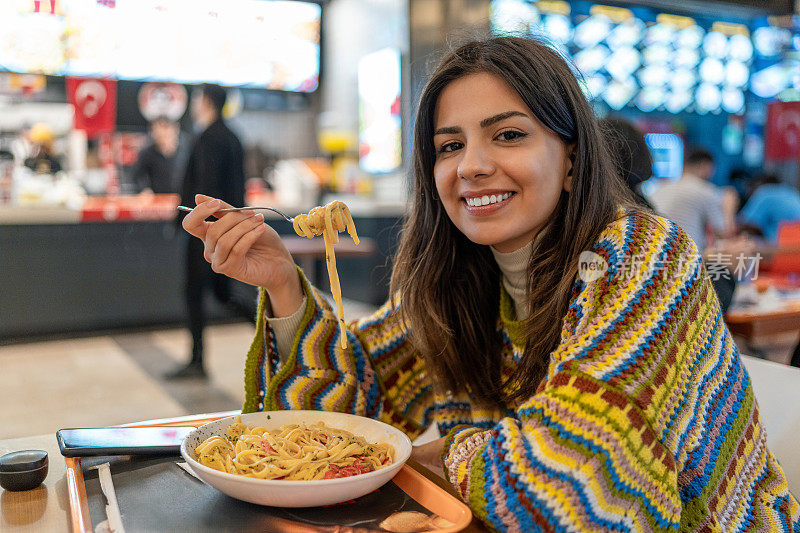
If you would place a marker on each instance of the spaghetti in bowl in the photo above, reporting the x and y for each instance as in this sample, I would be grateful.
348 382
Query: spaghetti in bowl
352 475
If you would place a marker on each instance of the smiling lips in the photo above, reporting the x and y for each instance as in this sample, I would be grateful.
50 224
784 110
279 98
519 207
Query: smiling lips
487 203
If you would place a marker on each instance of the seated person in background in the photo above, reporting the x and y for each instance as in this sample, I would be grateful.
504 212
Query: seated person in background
697 205
156 169
772 202
42 160
630 154
570 397
742 182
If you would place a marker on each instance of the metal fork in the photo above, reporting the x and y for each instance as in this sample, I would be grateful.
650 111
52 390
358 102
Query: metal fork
229 209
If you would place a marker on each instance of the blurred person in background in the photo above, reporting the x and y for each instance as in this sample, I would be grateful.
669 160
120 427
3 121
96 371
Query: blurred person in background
772 202
21 146
157 169
215 167
699 206
742 181
42 159
696 204
630 153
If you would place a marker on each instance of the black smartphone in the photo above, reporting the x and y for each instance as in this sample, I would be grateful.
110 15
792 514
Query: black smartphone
83 442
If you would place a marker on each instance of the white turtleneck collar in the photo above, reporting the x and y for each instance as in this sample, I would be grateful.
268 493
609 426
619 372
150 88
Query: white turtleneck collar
514 267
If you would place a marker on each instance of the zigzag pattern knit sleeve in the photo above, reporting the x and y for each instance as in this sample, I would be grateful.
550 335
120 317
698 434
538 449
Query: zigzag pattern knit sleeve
379 376
646 420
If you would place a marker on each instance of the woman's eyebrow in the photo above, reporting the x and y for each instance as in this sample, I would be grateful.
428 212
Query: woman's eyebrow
501 116
484 123
448 130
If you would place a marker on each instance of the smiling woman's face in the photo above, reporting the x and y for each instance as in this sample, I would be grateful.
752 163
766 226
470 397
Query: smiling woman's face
499 172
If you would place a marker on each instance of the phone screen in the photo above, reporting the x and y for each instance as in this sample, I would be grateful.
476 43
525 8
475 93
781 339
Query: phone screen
121 441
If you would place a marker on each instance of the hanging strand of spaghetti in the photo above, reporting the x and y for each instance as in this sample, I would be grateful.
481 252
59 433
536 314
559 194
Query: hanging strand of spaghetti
328 221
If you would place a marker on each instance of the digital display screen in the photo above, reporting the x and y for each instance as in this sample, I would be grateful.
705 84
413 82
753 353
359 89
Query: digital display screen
651 98
379 122
640 57
31 42
270 44
776 50
667 152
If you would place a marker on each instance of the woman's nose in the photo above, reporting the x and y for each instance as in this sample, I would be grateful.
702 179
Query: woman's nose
475 163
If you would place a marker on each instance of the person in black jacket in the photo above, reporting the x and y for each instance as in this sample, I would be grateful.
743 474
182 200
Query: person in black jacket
158 168
214 168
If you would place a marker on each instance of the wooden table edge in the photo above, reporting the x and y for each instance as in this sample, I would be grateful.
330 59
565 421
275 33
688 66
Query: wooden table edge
78 502
742 316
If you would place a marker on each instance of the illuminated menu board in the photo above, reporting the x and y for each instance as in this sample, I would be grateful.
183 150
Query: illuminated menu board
659 62
776 69
379 123
250 43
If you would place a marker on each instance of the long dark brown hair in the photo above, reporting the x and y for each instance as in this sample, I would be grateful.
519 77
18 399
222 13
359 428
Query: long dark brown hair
448 286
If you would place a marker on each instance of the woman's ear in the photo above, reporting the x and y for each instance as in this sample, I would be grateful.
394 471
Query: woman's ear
570 167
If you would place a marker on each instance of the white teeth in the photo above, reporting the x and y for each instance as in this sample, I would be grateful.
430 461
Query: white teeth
486 200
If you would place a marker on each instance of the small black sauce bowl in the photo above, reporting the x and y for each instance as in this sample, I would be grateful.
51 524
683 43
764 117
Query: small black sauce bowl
23 470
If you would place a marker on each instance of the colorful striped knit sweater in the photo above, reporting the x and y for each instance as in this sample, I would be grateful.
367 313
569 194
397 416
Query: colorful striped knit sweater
646 420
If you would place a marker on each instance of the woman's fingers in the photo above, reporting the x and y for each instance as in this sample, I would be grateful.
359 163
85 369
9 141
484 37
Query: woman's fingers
195 222
241 247
201 198
225 243
229 239
218 229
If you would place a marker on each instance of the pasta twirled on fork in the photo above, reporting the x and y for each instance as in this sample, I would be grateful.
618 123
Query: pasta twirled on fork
328 220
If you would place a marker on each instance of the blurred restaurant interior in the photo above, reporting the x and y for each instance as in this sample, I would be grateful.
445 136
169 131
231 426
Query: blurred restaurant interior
322 95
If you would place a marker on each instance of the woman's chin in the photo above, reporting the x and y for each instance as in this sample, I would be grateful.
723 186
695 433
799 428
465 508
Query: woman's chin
485 240
501 243
501 236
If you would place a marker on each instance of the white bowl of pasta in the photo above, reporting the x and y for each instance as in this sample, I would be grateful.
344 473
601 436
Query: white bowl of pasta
287 459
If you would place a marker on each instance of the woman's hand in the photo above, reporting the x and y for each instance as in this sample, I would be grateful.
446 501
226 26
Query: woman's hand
429 455
240 246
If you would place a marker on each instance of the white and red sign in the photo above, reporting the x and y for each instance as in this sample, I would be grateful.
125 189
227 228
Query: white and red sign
782 140
162 100
95 102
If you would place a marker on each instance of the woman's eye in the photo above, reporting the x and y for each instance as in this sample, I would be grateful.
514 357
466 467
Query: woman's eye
511 135
450 147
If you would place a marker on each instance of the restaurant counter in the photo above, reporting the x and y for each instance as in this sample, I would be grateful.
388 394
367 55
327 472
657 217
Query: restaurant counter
111 268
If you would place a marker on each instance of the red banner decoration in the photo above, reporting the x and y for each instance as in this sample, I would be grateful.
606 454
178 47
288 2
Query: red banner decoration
782 140
95 102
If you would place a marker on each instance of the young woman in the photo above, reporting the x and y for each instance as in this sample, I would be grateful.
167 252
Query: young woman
570 348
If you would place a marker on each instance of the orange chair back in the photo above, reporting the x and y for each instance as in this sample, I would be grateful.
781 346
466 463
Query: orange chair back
788 236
